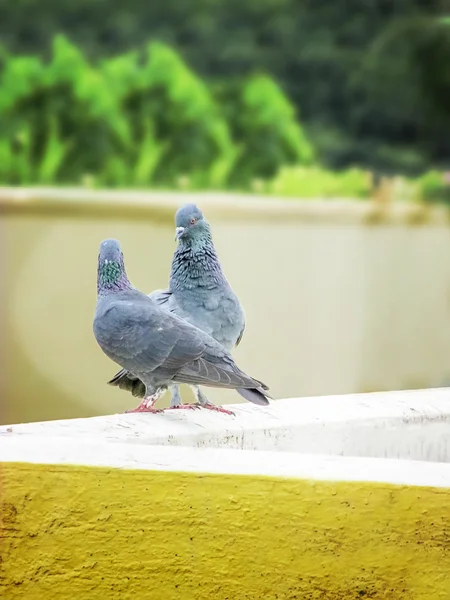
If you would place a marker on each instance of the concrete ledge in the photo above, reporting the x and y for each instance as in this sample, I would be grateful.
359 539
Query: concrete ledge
97 508
91 453
408 425
160 205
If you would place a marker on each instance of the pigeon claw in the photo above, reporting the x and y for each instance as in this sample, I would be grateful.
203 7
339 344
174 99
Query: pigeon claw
144 409
146 405
220 409
184 406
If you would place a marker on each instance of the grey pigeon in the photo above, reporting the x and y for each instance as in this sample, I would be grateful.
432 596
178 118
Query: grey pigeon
154 344
199 293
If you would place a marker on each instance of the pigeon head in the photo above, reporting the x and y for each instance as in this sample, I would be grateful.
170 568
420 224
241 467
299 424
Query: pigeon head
111 274
190 225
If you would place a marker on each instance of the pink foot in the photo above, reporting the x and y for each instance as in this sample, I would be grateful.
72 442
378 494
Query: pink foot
146 405
218 409
184 406
144 409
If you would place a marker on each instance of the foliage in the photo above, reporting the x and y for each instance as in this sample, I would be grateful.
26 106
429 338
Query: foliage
263 122
374 74
144 118
175 124
57 119
317 182
139 119
434 186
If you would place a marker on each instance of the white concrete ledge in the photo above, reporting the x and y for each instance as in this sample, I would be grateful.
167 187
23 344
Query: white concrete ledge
92 453
412 425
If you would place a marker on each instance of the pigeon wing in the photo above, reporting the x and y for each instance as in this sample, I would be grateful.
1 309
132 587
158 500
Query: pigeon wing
142 337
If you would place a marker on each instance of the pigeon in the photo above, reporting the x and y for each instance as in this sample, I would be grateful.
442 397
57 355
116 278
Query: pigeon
155 345
199 293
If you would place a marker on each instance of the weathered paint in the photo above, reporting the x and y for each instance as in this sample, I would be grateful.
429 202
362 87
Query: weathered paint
87 533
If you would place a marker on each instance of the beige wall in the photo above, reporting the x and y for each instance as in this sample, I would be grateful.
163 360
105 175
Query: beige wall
335 303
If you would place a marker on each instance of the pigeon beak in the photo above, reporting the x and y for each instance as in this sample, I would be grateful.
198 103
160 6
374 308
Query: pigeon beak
179 232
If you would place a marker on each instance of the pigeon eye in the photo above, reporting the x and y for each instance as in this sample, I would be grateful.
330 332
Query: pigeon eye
192 221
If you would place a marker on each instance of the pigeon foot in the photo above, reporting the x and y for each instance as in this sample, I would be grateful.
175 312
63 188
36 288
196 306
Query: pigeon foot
215 408
147 404
144 409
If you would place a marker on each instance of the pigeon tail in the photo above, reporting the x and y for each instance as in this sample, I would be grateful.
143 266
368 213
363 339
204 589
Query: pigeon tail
255 395
126 381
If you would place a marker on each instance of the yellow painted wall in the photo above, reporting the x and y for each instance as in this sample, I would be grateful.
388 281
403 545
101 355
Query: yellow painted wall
100 533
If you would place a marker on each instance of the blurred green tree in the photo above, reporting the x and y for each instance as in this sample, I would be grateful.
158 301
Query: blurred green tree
370 77
264 123
58 122
176 129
